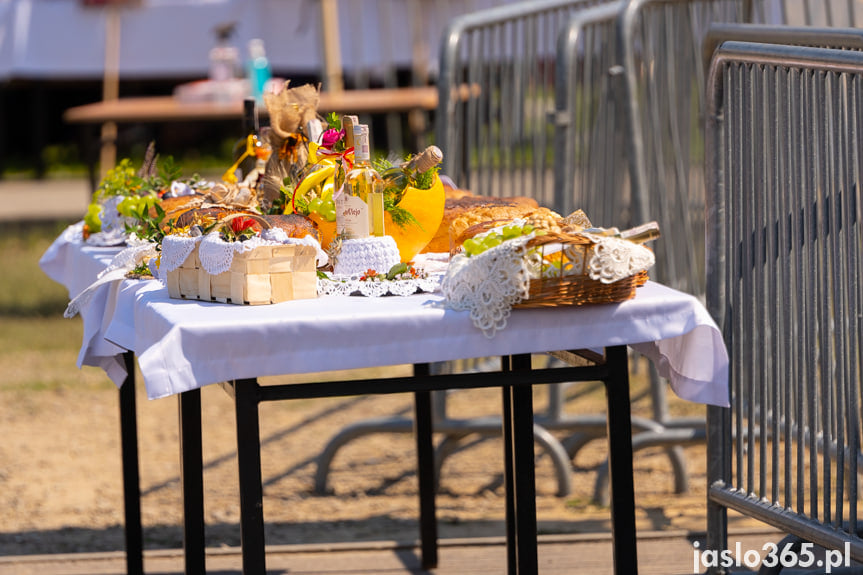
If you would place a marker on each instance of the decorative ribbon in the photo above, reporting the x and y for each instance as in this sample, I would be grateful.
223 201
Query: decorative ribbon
321 155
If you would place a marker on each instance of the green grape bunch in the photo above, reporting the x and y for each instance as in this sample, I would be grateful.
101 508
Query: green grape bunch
481 243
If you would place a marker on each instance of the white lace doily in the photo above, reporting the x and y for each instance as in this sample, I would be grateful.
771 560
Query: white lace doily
362 254
614 259
175 250
349 285
216 254
489 284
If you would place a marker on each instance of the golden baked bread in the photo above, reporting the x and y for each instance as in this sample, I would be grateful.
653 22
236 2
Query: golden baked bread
173 207
457 205
455 193
204 216
482 219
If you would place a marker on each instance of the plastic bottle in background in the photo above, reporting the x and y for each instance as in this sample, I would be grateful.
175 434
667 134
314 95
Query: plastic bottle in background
224 61
259 70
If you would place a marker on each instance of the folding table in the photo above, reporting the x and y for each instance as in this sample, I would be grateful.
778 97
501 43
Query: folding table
182 346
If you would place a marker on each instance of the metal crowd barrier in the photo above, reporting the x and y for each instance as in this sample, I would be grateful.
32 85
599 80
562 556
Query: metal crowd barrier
663 74
555 114
829 13
662 47
646 145
784 163
500 143
497 142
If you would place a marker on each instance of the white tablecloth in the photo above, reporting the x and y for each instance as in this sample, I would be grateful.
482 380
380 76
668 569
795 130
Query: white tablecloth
76 265
183 345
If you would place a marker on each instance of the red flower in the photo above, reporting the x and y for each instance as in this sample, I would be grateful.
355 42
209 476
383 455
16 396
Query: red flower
370 274
241 224
331 136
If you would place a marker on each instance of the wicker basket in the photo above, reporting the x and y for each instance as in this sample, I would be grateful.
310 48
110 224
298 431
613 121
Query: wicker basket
577 288
262 275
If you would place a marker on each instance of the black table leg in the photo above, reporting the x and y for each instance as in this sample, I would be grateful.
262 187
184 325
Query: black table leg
192 480
426 472
131 472
524 471
620 461
508 475
246 403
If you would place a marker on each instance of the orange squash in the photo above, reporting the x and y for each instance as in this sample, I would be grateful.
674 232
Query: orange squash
427 207
327 229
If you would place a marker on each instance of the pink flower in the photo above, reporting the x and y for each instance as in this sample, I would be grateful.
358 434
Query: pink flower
331 136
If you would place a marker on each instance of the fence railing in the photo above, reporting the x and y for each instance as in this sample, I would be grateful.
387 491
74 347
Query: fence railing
784 240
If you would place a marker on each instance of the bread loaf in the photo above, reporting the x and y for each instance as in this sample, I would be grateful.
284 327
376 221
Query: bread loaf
203 216
459 202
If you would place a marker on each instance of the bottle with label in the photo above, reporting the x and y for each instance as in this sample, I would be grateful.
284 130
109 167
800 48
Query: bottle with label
360 205
398 178
259 70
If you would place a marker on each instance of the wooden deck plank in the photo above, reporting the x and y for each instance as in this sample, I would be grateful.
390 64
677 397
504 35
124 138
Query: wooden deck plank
658 554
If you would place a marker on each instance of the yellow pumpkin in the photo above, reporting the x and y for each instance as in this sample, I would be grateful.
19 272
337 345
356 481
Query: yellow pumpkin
426 206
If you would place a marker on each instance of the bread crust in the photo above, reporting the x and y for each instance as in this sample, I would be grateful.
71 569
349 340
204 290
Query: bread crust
460 202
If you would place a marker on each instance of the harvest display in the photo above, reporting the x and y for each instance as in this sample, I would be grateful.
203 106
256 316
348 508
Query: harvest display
307 209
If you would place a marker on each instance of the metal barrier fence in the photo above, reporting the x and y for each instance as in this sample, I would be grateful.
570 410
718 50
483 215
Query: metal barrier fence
831 13
501 143
648 165
784 164
664 78
498 141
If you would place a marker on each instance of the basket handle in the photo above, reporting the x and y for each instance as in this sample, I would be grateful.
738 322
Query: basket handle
227 219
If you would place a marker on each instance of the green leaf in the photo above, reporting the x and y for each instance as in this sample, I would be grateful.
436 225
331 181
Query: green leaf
334 122
401 217
397 269
425 180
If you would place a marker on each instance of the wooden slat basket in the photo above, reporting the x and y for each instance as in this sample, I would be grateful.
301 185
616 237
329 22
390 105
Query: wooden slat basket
576 289
262 275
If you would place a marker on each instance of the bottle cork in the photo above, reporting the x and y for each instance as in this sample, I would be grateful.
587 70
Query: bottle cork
423 162
349 124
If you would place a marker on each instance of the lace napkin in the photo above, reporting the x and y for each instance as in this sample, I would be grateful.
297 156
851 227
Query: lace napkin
123 262
348 285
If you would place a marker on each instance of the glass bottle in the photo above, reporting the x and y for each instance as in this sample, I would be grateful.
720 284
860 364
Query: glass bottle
360 206
224 62
249 128
398 178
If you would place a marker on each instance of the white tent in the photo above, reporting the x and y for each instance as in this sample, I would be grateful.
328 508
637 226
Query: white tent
65 39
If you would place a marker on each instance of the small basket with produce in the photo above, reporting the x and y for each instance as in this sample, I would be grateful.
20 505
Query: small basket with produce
248 269
522 262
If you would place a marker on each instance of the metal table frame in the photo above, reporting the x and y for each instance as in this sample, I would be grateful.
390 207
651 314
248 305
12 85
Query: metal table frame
134 533
515 379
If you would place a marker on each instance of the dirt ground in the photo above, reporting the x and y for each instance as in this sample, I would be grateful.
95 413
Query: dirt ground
60 488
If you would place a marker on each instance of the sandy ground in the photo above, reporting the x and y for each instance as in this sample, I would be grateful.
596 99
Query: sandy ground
60 481
60 488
